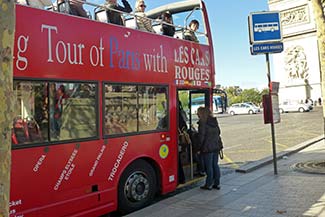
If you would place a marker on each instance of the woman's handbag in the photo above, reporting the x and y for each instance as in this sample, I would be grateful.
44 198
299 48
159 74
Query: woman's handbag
184 137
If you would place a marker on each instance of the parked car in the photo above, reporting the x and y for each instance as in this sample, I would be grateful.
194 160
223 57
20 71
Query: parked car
255 106
243 108
293 107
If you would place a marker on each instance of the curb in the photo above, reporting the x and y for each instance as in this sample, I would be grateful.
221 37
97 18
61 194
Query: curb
267 160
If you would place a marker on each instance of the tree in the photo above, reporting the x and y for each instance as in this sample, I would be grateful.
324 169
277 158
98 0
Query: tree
318 6
233 94
237 95
7 27
251 95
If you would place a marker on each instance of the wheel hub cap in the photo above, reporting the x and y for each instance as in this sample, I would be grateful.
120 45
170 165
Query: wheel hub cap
136 187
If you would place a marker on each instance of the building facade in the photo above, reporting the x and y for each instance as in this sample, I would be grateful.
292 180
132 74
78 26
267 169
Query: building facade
297 68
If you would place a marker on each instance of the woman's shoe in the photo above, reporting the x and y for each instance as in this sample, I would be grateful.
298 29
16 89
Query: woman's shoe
216 187
204 187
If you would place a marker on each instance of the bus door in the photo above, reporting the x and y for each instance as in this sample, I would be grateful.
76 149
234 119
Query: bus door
197 99
188 103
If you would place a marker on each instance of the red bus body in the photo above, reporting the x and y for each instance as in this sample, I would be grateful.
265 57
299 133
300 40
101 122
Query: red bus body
80 178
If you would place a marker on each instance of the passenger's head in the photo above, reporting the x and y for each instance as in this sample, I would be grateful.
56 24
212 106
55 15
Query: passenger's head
140 6
203 113
167 17
114 2
61 90
194 25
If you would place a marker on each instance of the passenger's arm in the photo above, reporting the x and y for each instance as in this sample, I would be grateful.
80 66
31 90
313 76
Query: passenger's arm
127 7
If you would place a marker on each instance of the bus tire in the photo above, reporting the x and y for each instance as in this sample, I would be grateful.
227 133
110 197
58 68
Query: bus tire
137 187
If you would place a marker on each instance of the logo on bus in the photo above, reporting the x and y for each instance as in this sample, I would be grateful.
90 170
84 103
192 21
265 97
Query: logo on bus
163 151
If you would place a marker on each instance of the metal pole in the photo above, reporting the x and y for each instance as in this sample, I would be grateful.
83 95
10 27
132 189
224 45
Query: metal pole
191 159
271 110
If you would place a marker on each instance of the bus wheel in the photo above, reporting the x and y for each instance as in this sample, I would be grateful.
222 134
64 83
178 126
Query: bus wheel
137 186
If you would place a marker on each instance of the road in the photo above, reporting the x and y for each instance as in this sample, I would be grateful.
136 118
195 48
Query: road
246 138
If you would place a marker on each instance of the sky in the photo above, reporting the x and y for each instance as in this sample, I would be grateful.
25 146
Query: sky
235 66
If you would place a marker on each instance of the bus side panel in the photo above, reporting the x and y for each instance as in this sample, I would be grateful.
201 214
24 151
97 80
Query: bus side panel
69 176
44 179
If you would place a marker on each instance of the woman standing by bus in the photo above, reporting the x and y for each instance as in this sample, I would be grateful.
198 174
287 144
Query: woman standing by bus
209 137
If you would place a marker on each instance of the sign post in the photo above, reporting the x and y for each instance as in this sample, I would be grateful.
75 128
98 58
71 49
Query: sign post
265 38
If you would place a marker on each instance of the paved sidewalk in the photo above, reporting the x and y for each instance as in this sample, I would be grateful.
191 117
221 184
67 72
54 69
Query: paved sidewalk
259 193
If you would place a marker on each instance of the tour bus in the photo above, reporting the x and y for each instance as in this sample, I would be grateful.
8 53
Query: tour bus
97 107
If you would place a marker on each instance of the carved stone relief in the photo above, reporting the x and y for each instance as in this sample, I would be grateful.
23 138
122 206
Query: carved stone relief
296 65
299 15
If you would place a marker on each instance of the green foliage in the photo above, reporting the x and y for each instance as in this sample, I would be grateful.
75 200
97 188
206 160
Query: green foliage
183 97
236 95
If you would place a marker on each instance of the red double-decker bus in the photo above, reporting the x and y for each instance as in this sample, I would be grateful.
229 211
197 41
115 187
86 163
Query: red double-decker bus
97 110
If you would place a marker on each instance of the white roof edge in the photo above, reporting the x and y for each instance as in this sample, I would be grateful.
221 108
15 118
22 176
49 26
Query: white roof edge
174 8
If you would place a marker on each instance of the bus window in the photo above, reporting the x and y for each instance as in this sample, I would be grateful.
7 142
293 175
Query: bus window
30 112
120 109
196 103
72 111
152 108
132 108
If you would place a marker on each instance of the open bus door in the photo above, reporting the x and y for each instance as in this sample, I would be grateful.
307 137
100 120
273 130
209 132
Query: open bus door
189 102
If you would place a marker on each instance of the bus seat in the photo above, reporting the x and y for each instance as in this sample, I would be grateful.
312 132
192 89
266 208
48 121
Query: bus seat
40 3
178 34
131 23
157 29
64 7
14 139
20 134
22 2
101 15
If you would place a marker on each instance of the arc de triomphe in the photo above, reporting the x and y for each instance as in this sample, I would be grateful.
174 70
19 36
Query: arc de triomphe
297 68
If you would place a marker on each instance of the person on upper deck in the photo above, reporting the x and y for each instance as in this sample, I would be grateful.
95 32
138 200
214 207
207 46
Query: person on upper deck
143 23
114 16
165 28
76 7
189 34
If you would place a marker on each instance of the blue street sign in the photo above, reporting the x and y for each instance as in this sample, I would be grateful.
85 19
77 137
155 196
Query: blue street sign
265 27
276 47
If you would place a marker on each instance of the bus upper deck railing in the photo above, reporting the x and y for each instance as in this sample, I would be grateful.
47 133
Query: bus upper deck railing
100 14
